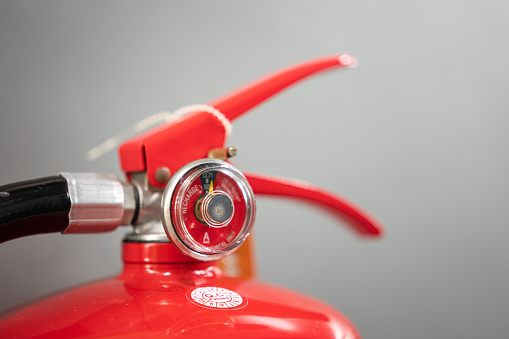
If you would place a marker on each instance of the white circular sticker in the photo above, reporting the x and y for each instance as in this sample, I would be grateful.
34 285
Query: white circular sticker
216 298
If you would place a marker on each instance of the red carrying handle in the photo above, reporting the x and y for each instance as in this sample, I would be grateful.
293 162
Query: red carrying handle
358 219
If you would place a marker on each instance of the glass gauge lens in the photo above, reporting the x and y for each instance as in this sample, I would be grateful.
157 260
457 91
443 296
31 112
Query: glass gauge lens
208 209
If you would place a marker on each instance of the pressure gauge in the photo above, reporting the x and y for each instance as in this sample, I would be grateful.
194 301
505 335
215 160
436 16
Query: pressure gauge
208 209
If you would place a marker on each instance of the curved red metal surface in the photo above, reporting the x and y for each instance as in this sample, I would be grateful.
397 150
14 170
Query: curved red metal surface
152 299
238 102
360 220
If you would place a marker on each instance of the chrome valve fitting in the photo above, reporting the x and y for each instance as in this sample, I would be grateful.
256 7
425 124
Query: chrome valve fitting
99 202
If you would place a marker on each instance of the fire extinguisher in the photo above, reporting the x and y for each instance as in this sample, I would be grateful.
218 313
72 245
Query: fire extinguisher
187 263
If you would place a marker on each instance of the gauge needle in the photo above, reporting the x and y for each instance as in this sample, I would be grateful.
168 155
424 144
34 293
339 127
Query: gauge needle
207 181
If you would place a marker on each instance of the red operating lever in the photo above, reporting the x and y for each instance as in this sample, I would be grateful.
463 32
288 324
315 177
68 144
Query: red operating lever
235 104
175 144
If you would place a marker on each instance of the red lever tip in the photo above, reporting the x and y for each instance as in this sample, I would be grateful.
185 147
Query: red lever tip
347 60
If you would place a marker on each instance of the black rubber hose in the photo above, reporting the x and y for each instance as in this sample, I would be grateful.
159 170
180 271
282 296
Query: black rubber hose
33 207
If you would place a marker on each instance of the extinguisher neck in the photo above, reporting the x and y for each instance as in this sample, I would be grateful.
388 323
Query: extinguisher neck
154 253
164 259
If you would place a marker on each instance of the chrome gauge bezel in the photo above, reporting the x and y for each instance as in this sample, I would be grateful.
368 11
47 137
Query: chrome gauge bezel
172 217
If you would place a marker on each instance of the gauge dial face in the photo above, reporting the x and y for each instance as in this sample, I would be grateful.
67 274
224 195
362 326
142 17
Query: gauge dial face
208 209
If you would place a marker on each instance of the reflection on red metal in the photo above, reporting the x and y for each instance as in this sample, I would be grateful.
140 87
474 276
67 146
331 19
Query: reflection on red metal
151 299
360 220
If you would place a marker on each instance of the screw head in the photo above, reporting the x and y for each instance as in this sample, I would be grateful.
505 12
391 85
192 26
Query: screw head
232 151
163 175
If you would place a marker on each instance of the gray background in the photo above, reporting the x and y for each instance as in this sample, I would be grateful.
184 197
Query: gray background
416 135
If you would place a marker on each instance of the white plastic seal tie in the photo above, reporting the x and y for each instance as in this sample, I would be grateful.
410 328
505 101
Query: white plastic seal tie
186 110
154 120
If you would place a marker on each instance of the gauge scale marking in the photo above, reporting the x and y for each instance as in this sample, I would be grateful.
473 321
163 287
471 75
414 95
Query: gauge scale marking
207 179
208 209
199 231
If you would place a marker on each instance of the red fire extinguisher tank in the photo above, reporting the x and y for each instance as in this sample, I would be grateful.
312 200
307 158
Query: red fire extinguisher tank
161 293
189 207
